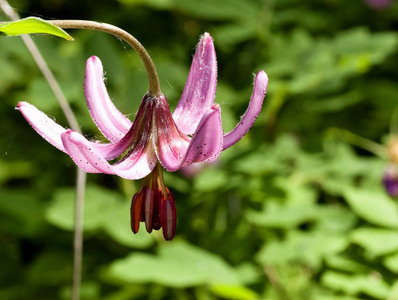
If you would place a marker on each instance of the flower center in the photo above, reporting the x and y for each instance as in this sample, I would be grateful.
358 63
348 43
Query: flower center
154 205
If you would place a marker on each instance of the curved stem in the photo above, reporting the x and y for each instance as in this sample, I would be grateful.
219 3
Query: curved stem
361 142
154 85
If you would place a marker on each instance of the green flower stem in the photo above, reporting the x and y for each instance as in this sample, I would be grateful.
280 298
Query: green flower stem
154 84
78 238
361 142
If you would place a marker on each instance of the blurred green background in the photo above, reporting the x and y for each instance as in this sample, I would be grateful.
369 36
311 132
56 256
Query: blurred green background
292 212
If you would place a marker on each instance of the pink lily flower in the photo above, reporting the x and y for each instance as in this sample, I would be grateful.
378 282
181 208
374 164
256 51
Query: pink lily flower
193 133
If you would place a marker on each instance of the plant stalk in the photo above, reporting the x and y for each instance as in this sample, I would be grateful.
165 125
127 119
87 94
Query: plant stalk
154 84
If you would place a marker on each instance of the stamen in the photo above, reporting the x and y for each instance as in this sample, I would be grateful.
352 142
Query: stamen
154 205
148 208
168 217
136 212
156 210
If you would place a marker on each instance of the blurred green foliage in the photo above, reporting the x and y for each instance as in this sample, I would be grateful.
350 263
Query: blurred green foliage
291 212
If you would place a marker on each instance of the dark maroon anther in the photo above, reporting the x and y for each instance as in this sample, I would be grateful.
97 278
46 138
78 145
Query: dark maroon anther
168 217
154 205
149 199
156 210
142 193
136 212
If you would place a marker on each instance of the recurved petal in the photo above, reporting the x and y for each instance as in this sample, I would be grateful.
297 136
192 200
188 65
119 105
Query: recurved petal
110 121
200 88
43 125
137 164
169 143
205 145
207 141
51 132
139 133
247 120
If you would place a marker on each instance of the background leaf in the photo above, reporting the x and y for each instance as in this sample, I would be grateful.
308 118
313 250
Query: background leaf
32 25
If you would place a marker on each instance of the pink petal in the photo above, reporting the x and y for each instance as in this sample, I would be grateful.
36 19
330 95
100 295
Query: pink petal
205 145
112 123
247 120
137 164
79 156
169 143
207 141
52 132
200 88
140 130
43 125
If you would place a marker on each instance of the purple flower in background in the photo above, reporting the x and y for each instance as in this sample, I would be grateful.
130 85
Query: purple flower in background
192 134
378 4
390 176
390 180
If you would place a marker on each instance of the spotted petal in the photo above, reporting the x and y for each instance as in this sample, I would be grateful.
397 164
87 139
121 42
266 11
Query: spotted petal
110 121
205 145
247 120
207 141
137 164
43 125
200 88
51 132
169 143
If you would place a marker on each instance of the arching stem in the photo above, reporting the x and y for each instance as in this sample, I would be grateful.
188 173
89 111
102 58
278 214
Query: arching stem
154 85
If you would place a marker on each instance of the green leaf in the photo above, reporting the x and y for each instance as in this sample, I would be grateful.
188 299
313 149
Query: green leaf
231 34
15 169
335 218
309 248
373 205
377 241
32 25
234 292
21 212
178 264
97 203
341 263
391 262
278 215
218 10
372 286
117 226
269 159
210 180
40 273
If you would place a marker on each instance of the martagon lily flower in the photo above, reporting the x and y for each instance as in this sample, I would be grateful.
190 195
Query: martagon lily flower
156 138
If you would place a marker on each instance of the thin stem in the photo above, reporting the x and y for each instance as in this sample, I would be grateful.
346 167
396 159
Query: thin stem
361 142
81 175
78 239
154 84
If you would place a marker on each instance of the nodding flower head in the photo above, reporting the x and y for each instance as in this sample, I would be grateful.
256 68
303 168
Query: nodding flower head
156 138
